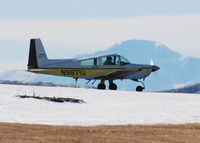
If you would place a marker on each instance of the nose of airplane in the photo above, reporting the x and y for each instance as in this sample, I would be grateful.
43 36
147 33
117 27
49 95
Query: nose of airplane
155 68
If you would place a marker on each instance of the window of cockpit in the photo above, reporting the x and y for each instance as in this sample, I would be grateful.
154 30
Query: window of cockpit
110 60
123 61
90 62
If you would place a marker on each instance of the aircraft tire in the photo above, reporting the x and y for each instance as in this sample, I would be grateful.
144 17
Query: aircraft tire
113 86
101 86
139 88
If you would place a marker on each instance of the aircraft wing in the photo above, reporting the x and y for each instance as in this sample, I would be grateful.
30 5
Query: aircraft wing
116 75
122 73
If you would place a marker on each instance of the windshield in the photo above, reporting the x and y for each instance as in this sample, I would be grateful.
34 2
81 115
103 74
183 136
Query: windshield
124 61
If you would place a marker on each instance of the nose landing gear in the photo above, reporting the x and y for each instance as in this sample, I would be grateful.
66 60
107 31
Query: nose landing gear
140 88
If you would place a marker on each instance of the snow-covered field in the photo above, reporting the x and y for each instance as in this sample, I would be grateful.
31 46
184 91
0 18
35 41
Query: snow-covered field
101 107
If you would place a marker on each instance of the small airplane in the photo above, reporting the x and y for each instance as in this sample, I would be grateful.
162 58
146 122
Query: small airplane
106 67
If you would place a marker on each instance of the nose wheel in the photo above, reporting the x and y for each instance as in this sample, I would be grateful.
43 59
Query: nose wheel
140 88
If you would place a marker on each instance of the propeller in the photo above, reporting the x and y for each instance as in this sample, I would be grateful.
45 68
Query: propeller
154 68
151 62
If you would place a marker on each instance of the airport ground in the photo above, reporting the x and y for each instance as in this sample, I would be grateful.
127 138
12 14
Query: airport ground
26 133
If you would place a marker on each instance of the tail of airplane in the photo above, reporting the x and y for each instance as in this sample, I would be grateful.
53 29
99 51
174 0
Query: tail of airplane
37 54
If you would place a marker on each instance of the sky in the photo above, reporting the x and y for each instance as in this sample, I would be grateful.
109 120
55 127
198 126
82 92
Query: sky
71 27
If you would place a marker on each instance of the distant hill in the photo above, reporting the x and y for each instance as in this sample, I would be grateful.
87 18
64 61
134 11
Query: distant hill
187 89
174 68
42 84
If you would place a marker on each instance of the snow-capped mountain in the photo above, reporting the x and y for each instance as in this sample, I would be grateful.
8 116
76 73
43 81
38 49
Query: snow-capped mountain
175 69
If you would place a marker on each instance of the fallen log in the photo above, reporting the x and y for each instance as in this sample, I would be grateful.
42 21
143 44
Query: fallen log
54 99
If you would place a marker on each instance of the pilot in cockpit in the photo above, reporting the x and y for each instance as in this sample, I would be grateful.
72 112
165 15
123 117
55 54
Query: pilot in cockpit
109 61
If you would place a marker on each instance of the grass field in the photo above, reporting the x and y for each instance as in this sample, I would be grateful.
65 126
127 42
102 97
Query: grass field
24 133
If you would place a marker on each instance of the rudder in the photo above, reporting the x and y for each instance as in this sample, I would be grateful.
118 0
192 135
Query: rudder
37 54
32 61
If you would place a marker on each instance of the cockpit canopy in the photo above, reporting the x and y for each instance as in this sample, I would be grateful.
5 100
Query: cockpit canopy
105 60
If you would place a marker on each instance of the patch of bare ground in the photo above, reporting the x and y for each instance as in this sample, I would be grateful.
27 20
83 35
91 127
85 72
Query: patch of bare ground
25 133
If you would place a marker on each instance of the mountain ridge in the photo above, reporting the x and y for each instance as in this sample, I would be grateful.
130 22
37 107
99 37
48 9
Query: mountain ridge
187 89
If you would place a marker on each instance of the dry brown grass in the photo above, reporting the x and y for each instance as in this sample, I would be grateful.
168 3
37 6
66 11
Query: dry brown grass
23 133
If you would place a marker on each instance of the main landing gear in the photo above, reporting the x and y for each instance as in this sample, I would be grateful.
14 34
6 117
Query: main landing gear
112 86
101 85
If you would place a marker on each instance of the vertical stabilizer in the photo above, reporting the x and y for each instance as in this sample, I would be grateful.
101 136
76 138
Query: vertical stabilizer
37 54
41 54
